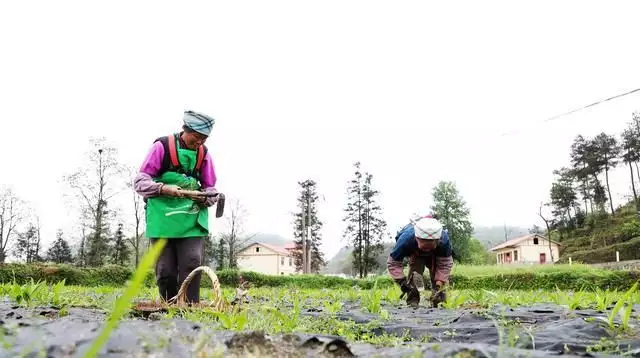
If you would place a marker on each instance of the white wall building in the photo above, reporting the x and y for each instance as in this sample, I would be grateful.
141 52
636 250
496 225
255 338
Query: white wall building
529 249
267 259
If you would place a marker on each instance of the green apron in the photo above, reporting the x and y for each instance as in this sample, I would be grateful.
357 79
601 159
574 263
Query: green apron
170 217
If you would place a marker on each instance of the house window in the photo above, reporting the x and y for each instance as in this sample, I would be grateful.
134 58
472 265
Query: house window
257 249
515 256
535 241
290 262
282 261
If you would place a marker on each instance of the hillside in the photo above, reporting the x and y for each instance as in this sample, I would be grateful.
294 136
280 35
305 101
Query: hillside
598 239
491 236
341 262
273 239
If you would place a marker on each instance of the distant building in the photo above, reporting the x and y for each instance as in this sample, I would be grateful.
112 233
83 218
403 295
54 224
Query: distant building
529 249
268 259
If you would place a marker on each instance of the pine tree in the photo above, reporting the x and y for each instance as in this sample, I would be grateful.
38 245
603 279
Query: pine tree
581 170
121 251
375 228
365 226
599 196
630 146
606 152
60 252
308 199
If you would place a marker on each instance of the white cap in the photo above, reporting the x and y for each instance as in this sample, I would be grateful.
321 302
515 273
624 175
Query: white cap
428 229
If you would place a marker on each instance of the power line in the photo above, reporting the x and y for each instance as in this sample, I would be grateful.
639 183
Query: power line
577 109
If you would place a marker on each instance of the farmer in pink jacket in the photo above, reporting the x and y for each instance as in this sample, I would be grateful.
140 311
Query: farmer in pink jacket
178 161
426 243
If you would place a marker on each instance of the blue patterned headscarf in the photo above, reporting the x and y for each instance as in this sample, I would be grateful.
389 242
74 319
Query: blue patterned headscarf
199 122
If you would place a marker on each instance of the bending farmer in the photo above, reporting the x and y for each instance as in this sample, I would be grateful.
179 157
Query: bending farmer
175 162
427 245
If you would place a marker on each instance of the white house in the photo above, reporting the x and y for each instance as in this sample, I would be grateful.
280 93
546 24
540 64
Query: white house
528 249
267 259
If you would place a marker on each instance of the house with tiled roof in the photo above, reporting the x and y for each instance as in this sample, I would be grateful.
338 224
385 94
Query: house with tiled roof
528 249
268 259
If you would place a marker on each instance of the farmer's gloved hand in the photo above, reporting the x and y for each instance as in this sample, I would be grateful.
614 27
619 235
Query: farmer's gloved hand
211 200
438 295
413 297
404 285
407 287
171 190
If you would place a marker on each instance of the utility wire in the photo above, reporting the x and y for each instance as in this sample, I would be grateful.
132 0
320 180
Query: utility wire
577 109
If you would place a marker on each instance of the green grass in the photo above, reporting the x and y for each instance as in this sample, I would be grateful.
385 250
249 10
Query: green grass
566 277
483 270
276 310
123 302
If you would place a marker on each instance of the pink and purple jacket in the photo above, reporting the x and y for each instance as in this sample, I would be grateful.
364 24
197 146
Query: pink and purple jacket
406 246
152 165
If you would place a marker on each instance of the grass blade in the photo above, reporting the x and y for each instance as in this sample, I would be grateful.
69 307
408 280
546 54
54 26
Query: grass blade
124 302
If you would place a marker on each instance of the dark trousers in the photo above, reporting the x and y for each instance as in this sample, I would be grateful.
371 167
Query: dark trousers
419 263
178 258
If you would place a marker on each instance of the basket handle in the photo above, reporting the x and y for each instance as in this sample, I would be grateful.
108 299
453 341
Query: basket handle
217 300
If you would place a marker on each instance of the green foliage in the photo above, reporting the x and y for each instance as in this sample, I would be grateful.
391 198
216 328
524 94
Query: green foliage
123 303
109 275
60 252
631 229
452 211
629 250
27 246
478 255
120 252
548 277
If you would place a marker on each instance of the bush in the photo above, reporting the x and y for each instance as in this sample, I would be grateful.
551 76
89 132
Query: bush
548 277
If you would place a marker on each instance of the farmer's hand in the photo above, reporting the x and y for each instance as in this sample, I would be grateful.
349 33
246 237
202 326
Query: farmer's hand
404 285
439 294
211 200
171 190
413 297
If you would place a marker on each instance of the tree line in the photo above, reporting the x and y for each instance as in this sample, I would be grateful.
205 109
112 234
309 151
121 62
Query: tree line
105 237
366 230
580 193
102 235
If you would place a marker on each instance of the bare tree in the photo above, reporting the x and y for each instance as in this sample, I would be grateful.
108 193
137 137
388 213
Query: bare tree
235 237
548 223
12 213
94 186
138 214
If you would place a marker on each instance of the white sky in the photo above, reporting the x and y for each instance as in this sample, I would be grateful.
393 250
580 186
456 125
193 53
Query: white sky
295 86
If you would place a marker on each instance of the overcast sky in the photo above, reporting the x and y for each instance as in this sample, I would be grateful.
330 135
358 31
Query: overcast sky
417 91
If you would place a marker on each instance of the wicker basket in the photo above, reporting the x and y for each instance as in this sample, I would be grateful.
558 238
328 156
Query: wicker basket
218 302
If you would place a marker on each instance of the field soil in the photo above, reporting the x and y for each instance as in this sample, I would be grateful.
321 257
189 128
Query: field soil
541 331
